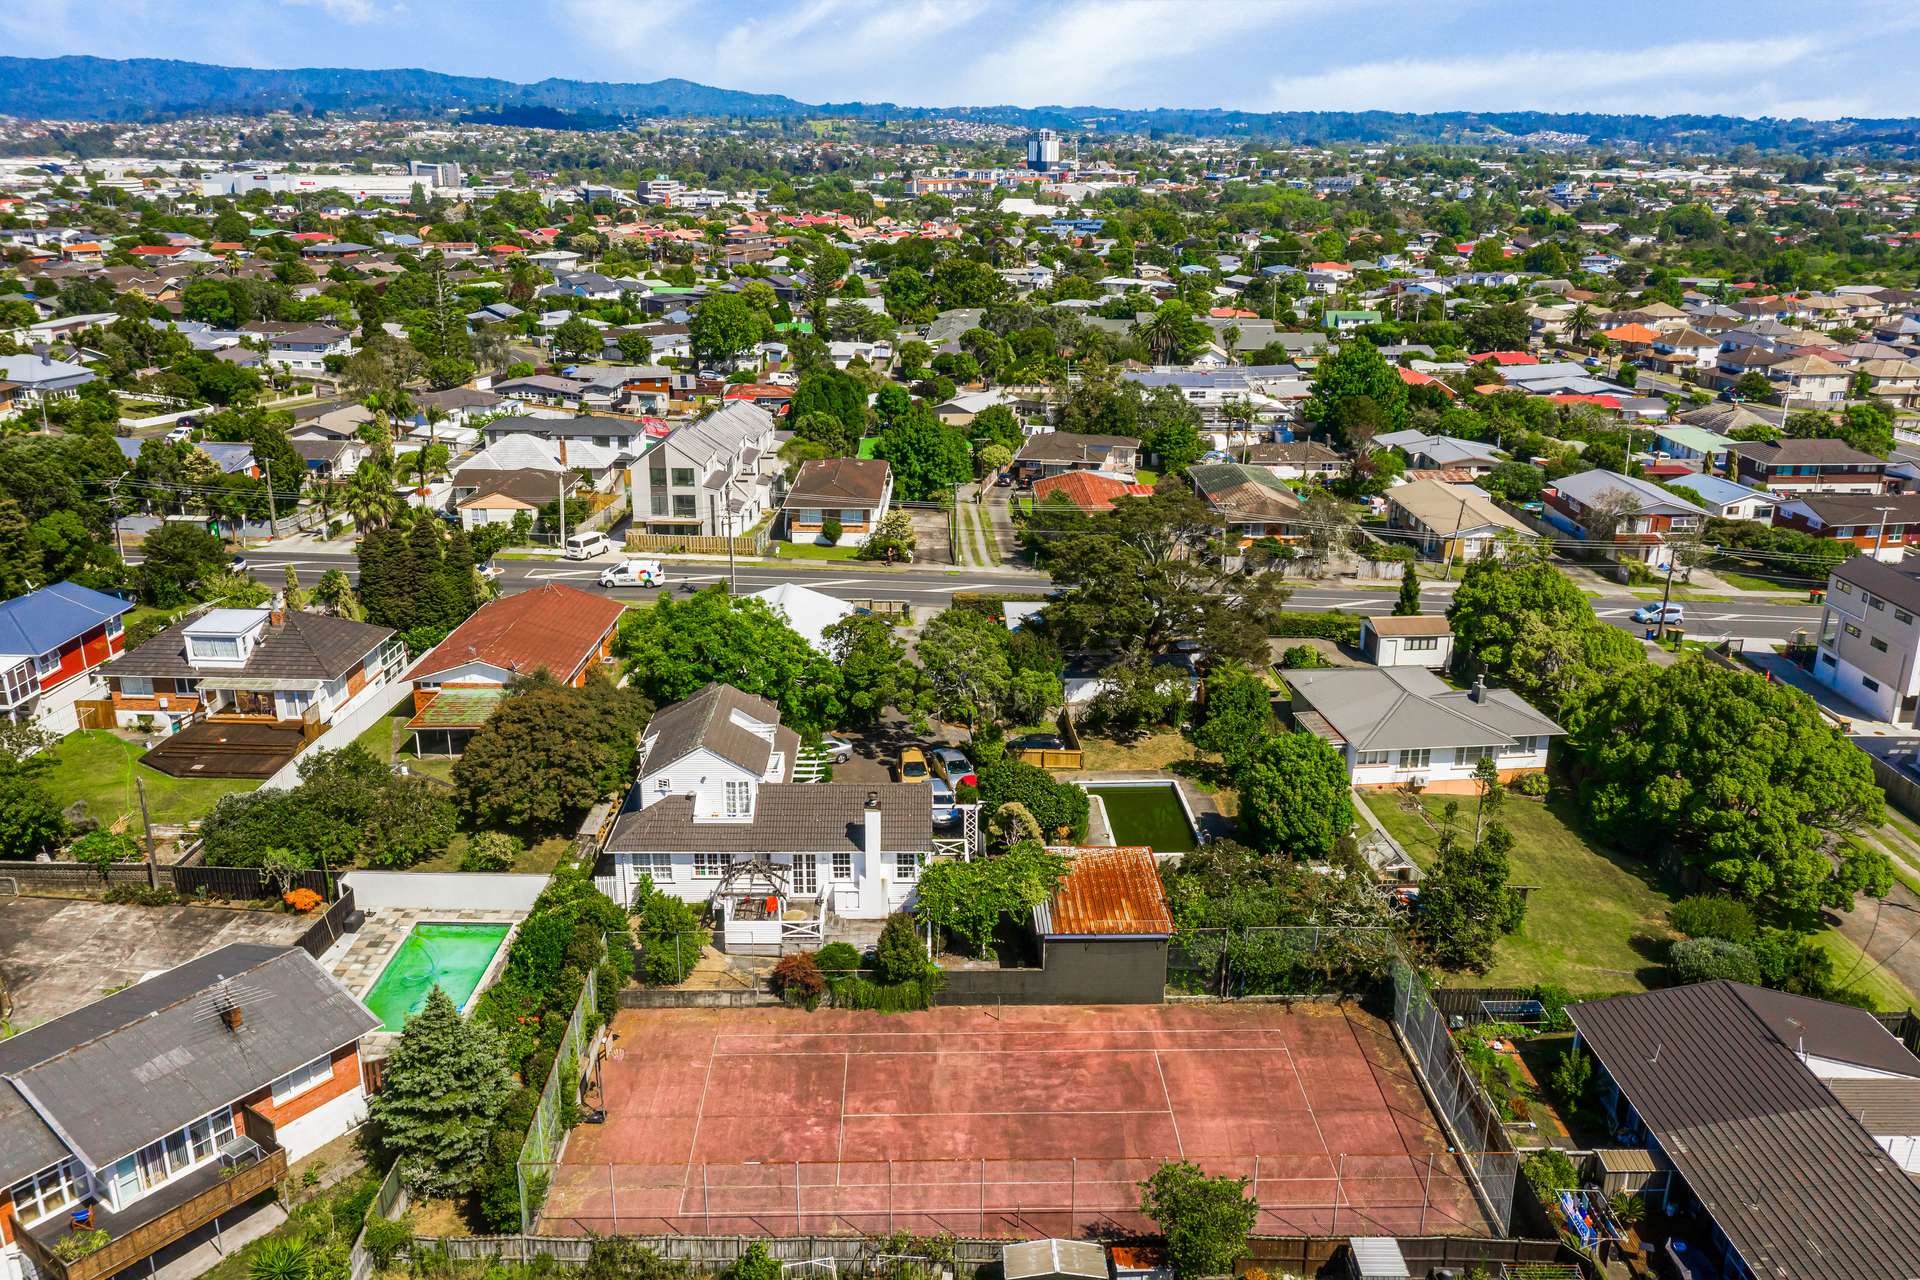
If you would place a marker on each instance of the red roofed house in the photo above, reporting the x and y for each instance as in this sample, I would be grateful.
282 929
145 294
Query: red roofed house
1415 378
155 250
556 628
1091 491
1504 358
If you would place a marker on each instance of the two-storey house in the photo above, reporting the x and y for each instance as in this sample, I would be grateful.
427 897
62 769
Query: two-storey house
1869 645
149 1114
715 799
1624 517
712 478
1879 524
1787 467
51 642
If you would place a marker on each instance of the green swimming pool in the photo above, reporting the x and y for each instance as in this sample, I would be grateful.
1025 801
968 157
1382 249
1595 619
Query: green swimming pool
453 956
1147 814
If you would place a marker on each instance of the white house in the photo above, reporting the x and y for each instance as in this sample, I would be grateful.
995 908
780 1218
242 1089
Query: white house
716 814
1399 725
1423 640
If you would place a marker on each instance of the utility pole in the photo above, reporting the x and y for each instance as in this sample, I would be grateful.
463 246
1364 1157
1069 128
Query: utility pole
1666 593
113 512
273 523
561 506
1880 538
1458 521
153 866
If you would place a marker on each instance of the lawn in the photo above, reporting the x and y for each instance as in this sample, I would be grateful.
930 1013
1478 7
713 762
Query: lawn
388 741
868 444
99 768
1753 582
1852 968
808 551
1596 921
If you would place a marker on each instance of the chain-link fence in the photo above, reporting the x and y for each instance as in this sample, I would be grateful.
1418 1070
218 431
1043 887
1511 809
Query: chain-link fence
669 959
1464 1105
557 1101
1281 961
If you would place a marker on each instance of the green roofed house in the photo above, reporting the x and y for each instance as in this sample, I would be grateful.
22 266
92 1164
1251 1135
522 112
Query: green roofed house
450 719
1255 502
1707 449
1346 321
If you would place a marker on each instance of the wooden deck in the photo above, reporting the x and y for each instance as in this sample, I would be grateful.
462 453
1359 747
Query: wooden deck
228 749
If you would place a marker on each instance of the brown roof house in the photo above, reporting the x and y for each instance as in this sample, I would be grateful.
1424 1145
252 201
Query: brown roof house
555 628
857 492
1052 452
715 815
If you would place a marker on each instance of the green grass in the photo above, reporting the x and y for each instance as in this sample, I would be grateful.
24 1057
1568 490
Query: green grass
1877 984
1595 920
96 767
1752 582
807 551
868 444
388 741
1144 475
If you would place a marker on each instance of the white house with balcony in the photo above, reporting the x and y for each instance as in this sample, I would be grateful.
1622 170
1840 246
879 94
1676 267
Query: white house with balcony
1400 725
715 816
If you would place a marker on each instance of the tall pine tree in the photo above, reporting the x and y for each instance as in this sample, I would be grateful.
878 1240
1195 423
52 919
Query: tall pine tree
446 1084
1408 605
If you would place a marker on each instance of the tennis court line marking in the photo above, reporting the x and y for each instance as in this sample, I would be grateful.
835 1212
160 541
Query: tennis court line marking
956 1115
840 1143
992 1053
1300 1083
981 1035
1168 1095
701 1112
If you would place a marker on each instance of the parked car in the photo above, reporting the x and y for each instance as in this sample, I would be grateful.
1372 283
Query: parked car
491 571
952 766
836 749
634 573
911 766
1672 614
585 546
782 379
944 812
238 564
1036 742
181 431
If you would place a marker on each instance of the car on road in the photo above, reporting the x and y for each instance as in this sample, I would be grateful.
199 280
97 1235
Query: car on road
1036 742
1672 614
782 379
586 546
1005 481
634 573
491 571
945 814
183 431
238 564
952 766
911 766
836 749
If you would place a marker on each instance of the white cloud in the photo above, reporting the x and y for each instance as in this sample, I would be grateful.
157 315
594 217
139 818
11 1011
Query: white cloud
357 13
1686 76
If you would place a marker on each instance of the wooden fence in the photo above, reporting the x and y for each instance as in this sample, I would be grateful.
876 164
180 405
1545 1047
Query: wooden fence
746 544
188 880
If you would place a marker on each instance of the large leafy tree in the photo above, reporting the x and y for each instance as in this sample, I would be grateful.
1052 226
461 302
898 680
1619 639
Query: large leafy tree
725 325
928 458
1357 372
1239 712
1206 1221
1466 906
1151 576
1740 776
445 1084
1294 794
541 761
678 647
176 557
874 671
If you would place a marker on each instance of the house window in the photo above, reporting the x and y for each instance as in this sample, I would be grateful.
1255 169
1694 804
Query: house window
906 866
684 506
1901 615
1416 759
1875 602
739 799
683 477
114 626
1422 644
215 646
136 686
47 663
1844 588
301 1079
843 864
1877 643
1365 759
1474 755
709 866
1525 745
1871 683
1852 630
49 1192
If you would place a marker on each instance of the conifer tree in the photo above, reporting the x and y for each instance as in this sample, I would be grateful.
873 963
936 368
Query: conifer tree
1408 605
446 1084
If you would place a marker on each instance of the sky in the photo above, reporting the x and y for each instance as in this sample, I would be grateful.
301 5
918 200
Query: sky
1660 57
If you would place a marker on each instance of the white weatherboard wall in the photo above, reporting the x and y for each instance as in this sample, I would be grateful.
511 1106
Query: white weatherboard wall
443 890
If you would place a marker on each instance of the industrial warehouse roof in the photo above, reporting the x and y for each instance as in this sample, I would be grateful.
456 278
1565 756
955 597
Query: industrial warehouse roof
1108 893
1720 1074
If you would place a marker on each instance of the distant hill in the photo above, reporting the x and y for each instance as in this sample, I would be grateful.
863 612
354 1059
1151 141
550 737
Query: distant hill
84 88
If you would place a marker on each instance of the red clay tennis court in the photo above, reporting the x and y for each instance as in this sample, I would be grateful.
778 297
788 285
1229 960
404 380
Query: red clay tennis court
1014 1121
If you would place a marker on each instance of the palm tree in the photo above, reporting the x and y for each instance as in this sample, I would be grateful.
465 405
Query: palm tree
369 496
434 415
1160 333
1580 323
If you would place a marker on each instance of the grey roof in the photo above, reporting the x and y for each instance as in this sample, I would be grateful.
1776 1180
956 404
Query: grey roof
1883 1107
705 721
139 1064
1784 453
1589 487
306 646
1797 1185
1896 583
1396 708
1067 446
788 817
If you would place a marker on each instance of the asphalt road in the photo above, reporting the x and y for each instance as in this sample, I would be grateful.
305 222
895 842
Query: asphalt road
933 586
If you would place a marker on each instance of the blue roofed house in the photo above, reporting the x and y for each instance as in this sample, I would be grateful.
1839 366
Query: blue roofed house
51 640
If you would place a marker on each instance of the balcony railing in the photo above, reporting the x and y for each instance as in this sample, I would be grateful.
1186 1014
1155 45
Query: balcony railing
152 1223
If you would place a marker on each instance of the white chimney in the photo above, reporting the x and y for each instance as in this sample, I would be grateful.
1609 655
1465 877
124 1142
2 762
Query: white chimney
870 832
1479 691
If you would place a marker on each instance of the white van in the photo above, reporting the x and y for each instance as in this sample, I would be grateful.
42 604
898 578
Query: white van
634 573
586 546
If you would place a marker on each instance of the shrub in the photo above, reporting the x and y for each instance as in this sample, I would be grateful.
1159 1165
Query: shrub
1549 1171
670 935
1060 808
1571 1079
1705 959
1303 657
386 1237
1332 625
1706 915
140 895
754 1264
899 956
491 851
1532 784
837 960
830 530
302 900
101 849
285 1258
797 979
1206 1221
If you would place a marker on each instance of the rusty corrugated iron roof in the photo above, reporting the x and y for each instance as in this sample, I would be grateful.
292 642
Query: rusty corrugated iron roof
1107 893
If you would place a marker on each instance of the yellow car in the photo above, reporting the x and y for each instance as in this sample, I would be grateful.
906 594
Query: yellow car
911 766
